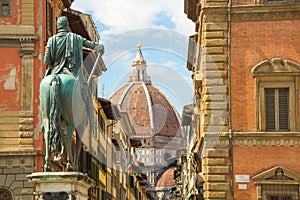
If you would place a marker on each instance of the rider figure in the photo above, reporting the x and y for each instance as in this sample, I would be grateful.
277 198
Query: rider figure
64 55
64 52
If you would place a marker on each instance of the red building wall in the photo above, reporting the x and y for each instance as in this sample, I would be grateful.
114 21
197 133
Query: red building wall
10 79
11 63
251 43
253 160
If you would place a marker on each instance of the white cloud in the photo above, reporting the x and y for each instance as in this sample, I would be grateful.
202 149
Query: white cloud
113 56
120 16
134 21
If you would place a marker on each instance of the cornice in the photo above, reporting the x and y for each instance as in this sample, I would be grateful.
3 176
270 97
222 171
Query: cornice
253 13
10 34
265 12
14 35
266 134
16 30
24 38
286 139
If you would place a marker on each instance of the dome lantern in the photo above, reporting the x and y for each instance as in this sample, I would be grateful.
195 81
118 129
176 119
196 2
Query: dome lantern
139 68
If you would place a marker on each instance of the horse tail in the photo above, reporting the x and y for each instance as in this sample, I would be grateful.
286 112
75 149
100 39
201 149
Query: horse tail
55 114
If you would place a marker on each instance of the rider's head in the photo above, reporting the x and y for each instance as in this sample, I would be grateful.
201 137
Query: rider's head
62 24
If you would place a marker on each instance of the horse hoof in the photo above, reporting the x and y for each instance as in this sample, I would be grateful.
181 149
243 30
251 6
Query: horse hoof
47 168
69 167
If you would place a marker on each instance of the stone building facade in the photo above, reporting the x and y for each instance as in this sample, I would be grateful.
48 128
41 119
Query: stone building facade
245 121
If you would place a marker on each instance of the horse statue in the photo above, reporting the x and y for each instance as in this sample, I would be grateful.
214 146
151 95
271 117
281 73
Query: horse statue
61 94
61 98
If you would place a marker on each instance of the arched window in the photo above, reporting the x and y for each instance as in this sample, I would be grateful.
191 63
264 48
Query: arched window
276 92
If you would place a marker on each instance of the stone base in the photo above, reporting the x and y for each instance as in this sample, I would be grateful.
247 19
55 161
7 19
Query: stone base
61 185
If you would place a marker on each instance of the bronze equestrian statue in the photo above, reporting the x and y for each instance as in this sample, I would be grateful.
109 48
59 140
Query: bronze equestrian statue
61 97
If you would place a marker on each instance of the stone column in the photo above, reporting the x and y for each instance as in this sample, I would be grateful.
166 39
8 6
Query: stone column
61 185
26 120
27 53
214 105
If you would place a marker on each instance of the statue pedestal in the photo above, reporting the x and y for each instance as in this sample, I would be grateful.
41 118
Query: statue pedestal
61 185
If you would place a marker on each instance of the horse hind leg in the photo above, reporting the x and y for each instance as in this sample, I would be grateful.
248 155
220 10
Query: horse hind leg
77 151
46 124
59 157
68 140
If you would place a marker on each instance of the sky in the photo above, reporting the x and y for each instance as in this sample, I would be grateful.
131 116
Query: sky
160 26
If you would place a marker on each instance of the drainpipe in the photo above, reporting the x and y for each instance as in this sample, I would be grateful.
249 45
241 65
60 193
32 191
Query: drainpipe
229 98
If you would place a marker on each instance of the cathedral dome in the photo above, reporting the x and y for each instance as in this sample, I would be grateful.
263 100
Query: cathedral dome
150 112
167 178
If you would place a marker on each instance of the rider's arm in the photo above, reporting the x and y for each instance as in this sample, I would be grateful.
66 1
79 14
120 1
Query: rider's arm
93 45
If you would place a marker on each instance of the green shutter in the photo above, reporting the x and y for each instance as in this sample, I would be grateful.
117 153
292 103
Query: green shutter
277 109
283 95
270 108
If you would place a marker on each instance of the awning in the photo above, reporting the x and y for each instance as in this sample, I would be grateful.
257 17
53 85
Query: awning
75 22
135 142
107 108
187 115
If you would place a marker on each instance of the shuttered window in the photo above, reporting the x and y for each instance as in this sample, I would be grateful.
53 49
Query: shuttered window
190 7
277 109
280 191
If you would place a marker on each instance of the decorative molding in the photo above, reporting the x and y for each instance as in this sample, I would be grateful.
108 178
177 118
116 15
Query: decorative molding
17 31
275 174
285 139
5 8
265 16
221 140
26 52
14 35
275 66
252 13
